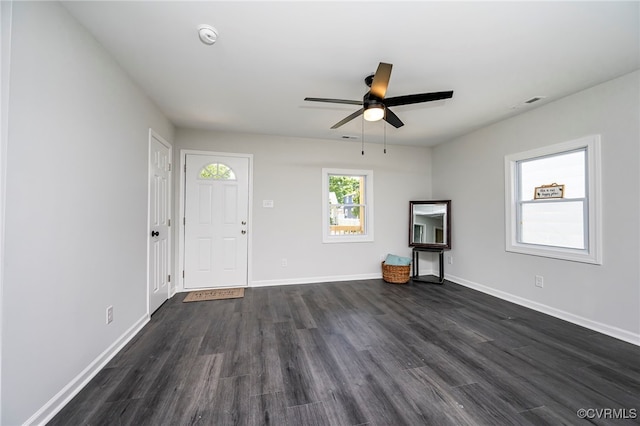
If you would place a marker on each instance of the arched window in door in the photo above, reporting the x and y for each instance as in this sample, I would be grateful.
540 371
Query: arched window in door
217 171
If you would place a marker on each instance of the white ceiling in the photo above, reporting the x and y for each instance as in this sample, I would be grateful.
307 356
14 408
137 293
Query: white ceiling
270 55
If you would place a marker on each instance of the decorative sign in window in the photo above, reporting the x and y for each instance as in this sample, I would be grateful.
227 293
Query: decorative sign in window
549 191
217 171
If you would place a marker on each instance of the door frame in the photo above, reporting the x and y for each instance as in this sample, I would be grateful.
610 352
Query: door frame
181 215
163 141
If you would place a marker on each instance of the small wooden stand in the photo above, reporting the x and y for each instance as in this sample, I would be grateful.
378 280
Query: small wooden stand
416 268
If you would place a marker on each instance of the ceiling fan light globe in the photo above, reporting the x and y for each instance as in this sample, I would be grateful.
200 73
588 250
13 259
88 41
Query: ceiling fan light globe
374 113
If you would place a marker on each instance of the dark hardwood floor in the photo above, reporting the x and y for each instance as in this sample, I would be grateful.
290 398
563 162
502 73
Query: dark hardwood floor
361 353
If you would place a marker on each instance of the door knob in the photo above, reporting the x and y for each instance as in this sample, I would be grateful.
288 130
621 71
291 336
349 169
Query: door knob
243 232
155 233
244 223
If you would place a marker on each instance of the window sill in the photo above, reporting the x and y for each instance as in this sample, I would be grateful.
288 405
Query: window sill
581 256
330 239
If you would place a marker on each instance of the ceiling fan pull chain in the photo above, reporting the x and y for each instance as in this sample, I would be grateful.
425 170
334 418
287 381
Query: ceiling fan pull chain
362 137
384 125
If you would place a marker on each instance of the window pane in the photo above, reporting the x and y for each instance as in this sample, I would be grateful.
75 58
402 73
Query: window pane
217 171
346 196
346 189
558 224
346 220
564 169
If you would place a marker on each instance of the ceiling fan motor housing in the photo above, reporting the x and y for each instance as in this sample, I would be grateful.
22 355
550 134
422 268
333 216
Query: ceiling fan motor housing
368 80
370 100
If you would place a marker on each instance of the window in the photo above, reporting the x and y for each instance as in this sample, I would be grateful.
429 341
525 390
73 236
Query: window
552 201
217 171
347 205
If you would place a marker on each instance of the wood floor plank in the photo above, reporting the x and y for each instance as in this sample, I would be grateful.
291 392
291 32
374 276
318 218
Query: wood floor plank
357 328
296 373
238 353
548 416
77 411
330 383
199 390
268 409
231 404
266 371
123 412
433 399
308 415
358 301
138 379
358 353
481 402
279 308
299 312
504 383
160 400
385 399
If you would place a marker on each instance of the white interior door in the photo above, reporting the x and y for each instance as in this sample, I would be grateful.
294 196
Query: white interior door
216 216
159 221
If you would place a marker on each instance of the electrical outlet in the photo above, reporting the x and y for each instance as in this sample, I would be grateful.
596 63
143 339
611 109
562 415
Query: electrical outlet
539 281
450 260
284 262
109 314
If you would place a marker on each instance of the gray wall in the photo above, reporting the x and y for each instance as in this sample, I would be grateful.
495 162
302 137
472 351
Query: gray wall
76 207
289 172
5 56
604 297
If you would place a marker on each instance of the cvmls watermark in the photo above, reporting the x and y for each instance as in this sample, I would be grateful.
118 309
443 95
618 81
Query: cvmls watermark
607 413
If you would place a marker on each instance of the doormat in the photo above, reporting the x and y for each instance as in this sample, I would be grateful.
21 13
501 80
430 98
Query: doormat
219 293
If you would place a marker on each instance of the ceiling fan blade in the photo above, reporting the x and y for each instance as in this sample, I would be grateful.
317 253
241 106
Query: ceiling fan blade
381 80
392 119
334 101
348 118
417 98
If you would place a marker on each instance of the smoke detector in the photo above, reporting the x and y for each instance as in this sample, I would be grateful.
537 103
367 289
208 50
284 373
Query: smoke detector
208 35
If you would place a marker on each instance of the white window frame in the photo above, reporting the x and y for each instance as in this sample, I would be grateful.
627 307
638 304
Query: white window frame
593 212
368 210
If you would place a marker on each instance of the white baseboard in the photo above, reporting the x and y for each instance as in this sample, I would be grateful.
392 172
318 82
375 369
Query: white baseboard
62 398
313 280
333 278
609 330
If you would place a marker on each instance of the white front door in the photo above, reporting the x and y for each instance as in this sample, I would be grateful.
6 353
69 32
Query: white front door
216 216
159 221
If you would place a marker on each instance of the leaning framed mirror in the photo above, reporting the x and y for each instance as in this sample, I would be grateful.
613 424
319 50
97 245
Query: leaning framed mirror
430 224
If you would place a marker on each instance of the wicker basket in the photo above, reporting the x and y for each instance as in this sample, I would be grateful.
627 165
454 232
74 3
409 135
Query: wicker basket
395 274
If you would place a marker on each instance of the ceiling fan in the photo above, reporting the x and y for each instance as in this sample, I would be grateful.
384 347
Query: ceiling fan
375 106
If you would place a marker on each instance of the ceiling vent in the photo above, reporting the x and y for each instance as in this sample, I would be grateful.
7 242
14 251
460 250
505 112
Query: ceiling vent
534 99
528 102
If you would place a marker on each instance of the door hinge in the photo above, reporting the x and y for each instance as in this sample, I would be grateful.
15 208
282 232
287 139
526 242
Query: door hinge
185 168
169 167
168 222
182 273
184 220
169 278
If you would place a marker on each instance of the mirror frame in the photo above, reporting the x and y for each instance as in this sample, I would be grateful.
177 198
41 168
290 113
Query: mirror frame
447 221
